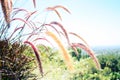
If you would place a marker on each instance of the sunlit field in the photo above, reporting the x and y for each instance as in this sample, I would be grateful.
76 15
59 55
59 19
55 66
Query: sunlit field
109 58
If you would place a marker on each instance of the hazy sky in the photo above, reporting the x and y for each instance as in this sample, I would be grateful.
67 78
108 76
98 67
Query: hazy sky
97 21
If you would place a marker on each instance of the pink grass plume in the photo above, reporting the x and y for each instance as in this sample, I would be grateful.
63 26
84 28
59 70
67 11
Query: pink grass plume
37 56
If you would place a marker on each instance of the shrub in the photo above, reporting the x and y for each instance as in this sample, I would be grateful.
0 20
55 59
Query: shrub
110 64
111 60
15 65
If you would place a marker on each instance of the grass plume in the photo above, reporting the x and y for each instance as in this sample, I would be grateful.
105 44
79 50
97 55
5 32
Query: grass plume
64 51
37 56
54 9
6 8
34 3
63 29
89 51
79 37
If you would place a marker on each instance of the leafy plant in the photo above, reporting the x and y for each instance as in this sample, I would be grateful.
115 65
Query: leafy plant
14 64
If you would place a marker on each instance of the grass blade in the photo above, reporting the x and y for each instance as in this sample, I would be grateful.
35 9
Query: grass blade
30 14
30 35
17 10
14 19
15 31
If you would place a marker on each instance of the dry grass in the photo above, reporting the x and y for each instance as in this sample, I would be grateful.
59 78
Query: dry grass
7 8
64 51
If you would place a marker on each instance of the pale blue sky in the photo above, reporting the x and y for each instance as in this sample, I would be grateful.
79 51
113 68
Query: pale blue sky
97 21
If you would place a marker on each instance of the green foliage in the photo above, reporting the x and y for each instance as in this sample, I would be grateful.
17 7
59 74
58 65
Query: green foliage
115 76
75 55
110 63
111 60
110 69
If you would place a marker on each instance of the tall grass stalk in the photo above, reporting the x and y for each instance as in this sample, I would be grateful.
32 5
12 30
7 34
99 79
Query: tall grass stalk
64 51
7 8
37 56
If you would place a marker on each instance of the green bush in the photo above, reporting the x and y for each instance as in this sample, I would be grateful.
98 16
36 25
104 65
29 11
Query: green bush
111 61
115 76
